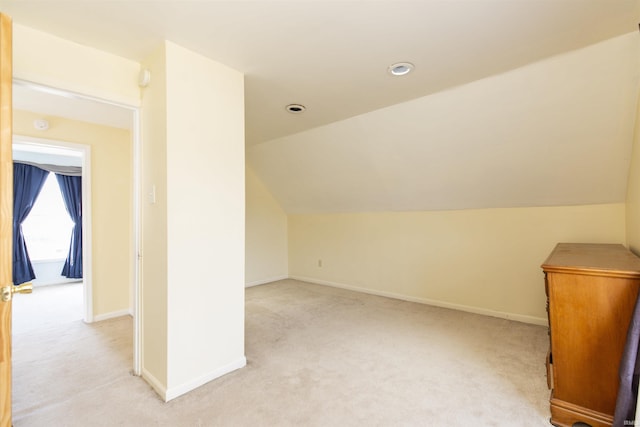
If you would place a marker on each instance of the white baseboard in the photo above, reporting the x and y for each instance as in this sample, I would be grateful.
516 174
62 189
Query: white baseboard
470 309
111 315
173 392
265 281
154 383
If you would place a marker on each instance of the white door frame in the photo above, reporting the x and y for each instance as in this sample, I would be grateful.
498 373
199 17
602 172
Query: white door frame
135 240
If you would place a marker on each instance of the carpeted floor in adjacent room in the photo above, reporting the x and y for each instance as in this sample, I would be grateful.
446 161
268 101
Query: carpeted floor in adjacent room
317 356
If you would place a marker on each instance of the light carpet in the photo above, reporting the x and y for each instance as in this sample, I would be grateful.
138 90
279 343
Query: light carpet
317 356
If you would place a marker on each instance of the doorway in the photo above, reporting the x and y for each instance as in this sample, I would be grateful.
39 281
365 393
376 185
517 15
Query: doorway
64 107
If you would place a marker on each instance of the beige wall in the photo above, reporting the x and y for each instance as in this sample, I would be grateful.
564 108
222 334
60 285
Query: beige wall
633 191
266 253
206 219
42 58
193 236
633 197
486 261
111 203
49 60
153 267
193 319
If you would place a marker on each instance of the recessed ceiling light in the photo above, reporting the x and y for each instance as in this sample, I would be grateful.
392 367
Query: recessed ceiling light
295 108
400 68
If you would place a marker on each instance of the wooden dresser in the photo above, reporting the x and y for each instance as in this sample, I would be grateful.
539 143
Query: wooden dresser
591 293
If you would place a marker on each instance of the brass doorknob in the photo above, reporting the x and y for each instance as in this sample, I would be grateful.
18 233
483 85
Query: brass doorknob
8 291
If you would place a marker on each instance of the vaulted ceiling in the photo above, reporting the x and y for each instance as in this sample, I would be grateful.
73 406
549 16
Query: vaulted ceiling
511 103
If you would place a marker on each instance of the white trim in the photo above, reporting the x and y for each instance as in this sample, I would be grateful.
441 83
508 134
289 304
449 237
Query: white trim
87 236
154 383
174 392
136 284
47 260
469 309
111 315
265 281
67 93
85 151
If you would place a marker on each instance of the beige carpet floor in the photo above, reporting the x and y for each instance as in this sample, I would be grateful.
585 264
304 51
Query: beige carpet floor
317 356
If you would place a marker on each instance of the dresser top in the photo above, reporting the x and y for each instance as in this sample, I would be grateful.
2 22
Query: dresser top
593 257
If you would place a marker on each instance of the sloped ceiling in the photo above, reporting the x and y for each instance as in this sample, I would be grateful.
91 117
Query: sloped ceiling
556 132
512 103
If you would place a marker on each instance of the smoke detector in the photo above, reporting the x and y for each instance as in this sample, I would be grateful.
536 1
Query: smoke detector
41 124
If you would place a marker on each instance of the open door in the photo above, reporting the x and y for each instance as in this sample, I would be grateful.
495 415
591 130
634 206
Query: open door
6 215
6 220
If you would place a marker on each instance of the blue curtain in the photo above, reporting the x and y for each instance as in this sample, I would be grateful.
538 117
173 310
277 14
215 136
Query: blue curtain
71 188
27 183
629 374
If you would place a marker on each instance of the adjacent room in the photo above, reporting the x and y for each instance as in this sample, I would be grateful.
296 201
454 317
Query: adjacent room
343 207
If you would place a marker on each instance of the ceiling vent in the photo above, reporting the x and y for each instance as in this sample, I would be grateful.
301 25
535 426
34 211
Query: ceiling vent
295 108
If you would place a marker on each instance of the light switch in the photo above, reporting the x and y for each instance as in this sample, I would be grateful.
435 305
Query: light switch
152 195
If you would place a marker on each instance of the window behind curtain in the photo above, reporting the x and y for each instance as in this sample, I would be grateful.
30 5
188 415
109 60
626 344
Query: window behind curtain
47 229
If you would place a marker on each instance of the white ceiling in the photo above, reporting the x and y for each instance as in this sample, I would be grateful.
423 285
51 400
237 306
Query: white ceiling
332 56
369 141
557 132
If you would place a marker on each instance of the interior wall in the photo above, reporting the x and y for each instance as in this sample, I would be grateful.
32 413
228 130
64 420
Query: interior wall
266 253
633 189
486 261
194 230
153 267
52 61
205 219
49 60
111 202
